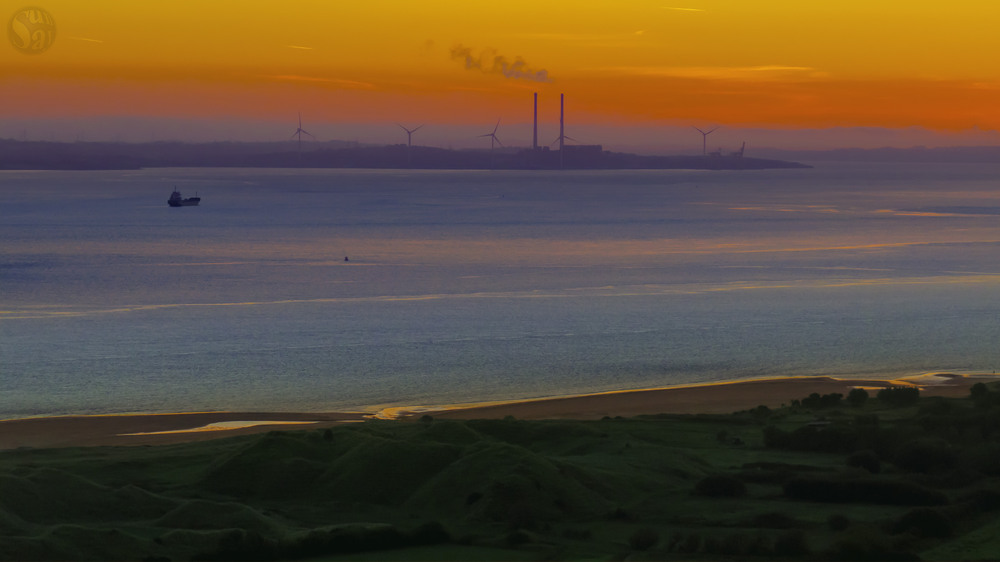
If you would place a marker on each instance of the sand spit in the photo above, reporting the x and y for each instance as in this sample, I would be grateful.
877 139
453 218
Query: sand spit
719 398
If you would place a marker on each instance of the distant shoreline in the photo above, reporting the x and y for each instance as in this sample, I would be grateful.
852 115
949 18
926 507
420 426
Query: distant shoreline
80 156
715 398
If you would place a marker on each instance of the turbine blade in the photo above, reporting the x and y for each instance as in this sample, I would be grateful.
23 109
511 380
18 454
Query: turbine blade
498 140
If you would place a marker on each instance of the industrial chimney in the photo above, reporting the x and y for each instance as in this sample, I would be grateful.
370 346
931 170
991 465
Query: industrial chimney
562 137
534 137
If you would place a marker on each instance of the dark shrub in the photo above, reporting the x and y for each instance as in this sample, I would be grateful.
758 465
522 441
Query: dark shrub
865 550
831 400
792 544
620 514
344 539
431 532
720 486
925 455
522 515
899 396
812 401
876 491
866 421
829 439
774 520
924 522
643 539
686 544
857 397
242 545
815 401
978 391
937 406
986 500
867 460
578 534
515 538
983 458
838 522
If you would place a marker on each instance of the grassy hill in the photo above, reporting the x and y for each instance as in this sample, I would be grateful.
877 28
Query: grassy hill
827 478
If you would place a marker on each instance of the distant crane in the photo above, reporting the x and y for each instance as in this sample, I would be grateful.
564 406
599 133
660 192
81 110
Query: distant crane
298 133
704 137
743 147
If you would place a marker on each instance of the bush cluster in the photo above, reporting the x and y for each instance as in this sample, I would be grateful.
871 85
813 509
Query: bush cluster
898 396
720 486
791 544
862 490
346 539
816 401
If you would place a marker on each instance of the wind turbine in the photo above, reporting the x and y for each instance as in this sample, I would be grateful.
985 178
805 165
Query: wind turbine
493 136
562 136
409 134
493 140
704 137
298 133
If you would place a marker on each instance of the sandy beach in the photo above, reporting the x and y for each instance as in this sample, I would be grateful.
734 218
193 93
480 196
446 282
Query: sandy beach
160 429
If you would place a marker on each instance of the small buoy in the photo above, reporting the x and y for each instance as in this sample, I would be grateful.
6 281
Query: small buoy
345 258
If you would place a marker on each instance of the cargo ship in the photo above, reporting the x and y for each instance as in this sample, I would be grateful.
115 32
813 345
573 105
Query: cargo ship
176 200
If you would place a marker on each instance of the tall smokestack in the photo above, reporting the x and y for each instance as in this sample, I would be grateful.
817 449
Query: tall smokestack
562 137
534 136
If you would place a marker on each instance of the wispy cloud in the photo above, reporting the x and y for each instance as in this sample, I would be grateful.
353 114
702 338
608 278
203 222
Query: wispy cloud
683 9
349 84
491 62
87 39
763 72
299 47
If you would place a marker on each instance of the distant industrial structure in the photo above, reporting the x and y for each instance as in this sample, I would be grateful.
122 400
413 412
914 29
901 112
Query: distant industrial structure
340 154
573 156
557 155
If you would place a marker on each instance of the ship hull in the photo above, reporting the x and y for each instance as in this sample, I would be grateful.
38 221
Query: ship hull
191 202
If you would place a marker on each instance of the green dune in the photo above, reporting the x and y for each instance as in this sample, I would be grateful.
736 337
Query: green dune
898 477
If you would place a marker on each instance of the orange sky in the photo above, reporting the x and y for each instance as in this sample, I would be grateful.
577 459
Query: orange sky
752 63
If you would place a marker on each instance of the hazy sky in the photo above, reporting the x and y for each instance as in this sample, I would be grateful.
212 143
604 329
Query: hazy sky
355 68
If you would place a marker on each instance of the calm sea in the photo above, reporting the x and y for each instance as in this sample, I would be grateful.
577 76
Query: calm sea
352 289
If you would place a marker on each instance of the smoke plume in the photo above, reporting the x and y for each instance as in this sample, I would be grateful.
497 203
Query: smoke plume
490 62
